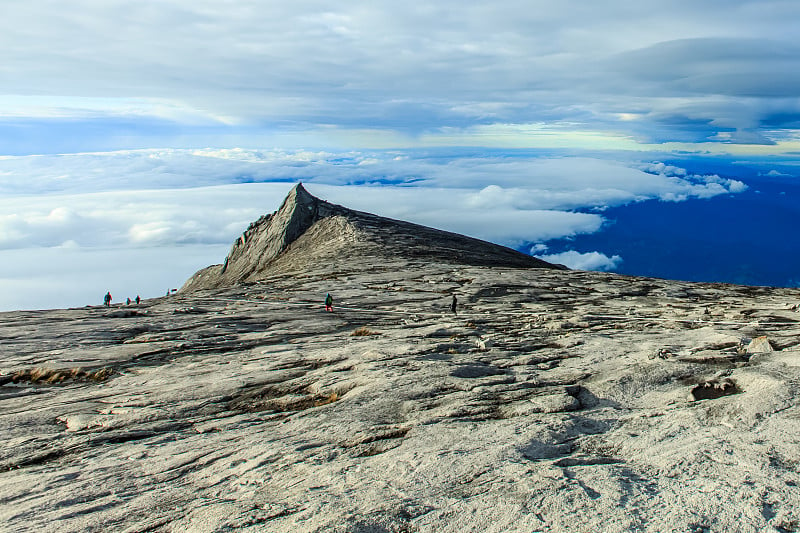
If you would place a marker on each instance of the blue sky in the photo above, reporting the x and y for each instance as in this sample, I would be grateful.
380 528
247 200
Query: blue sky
166 127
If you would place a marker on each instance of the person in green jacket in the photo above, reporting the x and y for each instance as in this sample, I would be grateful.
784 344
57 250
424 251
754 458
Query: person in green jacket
328 302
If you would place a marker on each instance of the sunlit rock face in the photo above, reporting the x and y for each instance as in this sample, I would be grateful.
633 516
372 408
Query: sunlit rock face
550 400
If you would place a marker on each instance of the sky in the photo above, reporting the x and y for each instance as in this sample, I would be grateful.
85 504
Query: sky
138 139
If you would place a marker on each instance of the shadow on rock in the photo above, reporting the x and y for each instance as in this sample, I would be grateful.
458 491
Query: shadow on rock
714 388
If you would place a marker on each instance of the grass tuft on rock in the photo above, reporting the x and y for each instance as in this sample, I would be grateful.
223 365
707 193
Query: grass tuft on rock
51 376
327 399
363 331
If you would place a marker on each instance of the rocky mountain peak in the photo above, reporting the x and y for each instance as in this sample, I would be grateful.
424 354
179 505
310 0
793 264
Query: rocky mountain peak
306 228
267 238
276 231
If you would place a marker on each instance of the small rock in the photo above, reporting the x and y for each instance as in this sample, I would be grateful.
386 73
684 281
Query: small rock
759 345
560 402
663 353
484 344
189 311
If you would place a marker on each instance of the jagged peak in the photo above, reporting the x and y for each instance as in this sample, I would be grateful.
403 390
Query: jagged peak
267 239
297 196
300 195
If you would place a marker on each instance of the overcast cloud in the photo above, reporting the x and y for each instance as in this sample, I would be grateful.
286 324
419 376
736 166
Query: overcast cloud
711 71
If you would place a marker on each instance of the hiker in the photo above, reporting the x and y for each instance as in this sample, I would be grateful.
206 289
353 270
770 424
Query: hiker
329 302
138 299
128 301
453 305
107 299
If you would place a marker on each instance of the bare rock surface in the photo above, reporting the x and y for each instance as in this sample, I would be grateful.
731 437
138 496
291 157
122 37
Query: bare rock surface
553 401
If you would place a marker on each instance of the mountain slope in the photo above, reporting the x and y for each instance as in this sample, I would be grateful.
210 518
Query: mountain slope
552 398
307 230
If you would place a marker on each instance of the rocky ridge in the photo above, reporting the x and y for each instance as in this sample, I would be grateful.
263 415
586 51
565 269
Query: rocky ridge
306 231
553 400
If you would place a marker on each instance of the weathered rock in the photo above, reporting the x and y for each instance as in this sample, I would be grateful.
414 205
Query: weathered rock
759 345
264 412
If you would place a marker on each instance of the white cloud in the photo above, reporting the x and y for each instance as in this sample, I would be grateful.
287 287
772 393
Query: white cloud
59 277
137 218
165 197
83 107
683 69
538 248
657 167
519 182
584 261
171 199
775 174
736 186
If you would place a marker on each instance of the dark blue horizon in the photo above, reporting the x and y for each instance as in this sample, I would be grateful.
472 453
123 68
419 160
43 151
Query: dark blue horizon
746 238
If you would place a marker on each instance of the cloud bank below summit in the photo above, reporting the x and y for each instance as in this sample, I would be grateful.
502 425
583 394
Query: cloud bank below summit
175 197
173 204
583 261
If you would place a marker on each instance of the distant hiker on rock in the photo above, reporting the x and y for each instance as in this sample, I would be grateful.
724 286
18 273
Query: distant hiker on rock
128 301
138 299
107 299
453 305
328 302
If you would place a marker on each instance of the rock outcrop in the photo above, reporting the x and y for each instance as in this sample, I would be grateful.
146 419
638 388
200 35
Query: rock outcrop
553 401
307 230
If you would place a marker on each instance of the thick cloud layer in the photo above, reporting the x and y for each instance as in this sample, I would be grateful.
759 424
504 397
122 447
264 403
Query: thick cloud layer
69 276
174 197
166 206
189 70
